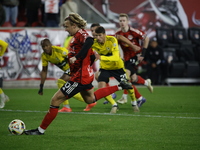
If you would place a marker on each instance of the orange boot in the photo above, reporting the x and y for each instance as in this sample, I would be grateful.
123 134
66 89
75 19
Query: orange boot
89 106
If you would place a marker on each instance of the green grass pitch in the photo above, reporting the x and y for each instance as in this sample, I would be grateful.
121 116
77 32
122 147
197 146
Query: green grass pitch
169 120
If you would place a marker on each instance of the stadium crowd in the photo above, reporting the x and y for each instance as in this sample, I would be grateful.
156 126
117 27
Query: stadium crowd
35 13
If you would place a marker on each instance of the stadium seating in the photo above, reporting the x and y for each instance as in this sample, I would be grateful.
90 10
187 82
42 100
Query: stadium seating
175 67
192 69
164 36
181 49
194 36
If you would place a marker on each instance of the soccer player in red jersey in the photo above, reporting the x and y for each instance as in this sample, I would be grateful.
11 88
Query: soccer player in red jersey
131 57
80 58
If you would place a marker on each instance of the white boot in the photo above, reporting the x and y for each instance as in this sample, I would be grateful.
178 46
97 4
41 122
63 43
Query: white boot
123 100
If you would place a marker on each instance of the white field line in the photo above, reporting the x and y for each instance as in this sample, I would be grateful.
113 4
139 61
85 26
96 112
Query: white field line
88 113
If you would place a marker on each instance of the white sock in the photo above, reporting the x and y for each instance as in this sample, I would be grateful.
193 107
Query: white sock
115 104
41 130
67 106
119 88
2 95
140 98
134 102
146 83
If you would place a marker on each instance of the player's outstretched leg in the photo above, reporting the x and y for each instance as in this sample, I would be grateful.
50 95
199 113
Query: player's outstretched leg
146 82
49 117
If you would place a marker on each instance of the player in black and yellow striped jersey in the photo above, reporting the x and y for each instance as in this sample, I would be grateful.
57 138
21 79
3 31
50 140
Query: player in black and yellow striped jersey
111 64
57 56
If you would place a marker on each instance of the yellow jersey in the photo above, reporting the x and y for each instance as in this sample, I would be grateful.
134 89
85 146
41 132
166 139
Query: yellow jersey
58 58
109 52
3 46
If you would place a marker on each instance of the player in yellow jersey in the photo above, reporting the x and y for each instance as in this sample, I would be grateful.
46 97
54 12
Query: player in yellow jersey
111 64
57 56
3 97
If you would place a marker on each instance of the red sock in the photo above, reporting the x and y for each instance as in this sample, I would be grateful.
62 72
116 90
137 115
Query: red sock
137 94
103 92
107 84
140 80
50 116
125 92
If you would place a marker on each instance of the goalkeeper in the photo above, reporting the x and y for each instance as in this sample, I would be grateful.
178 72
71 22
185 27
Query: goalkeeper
57 56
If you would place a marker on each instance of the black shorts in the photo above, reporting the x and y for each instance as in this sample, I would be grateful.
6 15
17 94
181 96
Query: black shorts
70 88
104 75
131 64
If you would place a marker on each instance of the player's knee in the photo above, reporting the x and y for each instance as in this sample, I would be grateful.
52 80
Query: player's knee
57 99
134 78
90 100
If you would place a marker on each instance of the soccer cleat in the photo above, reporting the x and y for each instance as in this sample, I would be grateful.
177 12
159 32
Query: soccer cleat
135 108
114 109
65 109
105 102
114 95
149 85
140 102
4 99
89 106
122 101
125 85
33 132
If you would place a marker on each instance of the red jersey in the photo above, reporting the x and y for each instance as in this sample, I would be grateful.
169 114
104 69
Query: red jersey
80 71
134 35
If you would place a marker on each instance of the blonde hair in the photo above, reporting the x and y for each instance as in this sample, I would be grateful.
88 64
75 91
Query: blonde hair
75 18
124 15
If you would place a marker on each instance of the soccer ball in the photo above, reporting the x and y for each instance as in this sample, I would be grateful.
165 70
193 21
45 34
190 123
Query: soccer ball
16 127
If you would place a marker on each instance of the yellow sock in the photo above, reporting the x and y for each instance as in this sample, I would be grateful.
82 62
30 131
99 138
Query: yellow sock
131 93
1 91
66 102
111 100
60 83
78 97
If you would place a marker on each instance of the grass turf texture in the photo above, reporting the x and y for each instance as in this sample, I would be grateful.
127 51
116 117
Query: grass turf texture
170 119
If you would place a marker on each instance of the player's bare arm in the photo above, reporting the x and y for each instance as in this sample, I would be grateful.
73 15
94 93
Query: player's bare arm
129 43
145 45
43 78
146 42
